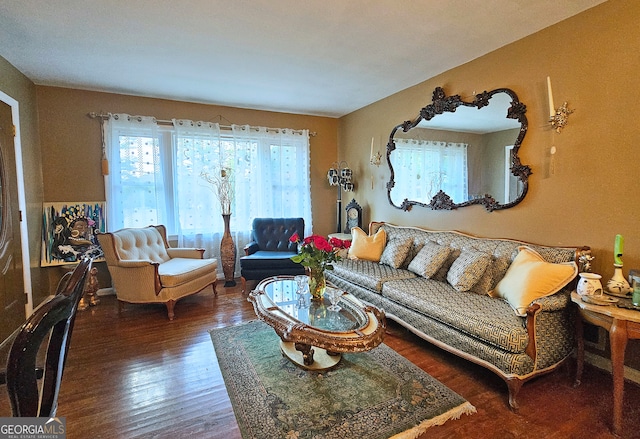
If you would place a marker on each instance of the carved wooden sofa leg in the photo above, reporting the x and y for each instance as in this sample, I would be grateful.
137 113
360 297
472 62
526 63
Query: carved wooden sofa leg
514 385
244 284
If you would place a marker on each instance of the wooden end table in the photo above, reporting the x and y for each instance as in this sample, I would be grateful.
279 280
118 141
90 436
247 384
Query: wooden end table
622 325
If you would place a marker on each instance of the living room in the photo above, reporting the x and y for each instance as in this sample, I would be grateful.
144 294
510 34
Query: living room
576 196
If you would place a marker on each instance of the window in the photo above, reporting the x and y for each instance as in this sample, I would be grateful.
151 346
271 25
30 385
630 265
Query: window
423 168
155 177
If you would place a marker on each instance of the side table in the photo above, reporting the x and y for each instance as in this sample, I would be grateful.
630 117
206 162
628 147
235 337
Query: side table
622 325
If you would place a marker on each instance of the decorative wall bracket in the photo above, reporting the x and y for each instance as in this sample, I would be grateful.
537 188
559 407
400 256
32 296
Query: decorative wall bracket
560 118
376 159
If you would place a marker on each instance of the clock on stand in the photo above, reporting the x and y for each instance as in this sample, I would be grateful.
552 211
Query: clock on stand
354 216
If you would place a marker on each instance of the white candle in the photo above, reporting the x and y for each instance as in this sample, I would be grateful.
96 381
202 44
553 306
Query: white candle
371 155
552 108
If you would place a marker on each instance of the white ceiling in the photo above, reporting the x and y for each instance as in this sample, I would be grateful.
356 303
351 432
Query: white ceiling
318 57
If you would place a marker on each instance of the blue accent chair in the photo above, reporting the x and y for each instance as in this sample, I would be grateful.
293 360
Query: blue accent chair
269 252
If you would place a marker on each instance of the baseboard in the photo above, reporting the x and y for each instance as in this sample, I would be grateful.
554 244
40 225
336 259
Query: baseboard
605 364
106 292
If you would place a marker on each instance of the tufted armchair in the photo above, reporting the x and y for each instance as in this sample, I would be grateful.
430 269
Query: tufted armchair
269 252
144 269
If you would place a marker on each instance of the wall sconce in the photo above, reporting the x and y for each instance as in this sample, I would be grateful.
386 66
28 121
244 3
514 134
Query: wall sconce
340 175
375 159
558 117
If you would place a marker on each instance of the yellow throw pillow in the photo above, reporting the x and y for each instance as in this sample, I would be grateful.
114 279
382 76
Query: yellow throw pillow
530 277
368 248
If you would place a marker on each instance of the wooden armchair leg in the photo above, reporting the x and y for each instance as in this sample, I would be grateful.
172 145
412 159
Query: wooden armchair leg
170 305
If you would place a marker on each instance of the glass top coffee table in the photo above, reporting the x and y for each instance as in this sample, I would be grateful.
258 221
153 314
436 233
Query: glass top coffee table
313 336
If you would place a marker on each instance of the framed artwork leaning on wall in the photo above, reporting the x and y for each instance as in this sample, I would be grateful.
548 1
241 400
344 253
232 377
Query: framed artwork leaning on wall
69 232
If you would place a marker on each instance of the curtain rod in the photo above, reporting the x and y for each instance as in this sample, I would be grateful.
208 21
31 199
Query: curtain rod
94 115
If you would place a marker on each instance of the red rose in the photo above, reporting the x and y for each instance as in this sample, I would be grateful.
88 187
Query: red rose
321 243
294 238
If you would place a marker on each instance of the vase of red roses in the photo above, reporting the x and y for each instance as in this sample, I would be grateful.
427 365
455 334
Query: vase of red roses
317 253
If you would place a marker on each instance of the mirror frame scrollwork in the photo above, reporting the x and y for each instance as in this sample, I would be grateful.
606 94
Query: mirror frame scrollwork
443 103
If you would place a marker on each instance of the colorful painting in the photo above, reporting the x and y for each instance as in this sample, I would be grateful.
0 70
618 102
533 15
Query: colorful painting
69 232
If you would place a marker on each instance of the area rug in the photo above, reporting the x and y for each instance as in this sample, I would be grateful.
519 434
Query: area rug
374 395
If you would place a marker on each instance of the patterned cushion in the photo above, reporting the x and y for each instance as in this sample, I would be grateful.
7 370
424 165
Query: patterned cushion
530 277
467 270
483 317
503 251
413 252
368 274
429 259
441 275
395 252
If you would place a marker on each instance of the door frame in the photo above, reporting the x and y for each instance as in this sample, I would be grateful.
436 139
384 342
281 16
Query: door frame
22 203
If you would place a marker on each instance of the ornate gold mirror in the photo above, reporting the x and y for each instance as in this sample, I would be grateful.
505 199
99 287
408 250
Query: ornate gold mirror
457 153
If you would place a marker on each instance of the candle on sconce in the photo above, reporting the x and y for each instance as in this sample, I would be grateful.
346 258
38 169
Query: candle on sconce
371 155
618 249
552 108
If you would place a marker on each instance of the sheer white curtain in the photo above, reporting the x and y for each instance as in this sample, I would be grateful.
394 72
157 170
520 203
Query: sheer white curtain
422 168
198 149
156 177
132 148
271 177
273 165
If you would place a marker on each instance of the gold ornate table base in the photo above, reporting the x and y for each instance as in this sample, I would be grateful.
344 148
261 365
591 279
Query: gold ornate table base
309 357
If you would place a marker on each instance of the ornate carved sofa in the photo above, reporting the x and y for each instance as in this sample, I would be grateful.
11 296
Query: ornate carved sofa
144 269
450 305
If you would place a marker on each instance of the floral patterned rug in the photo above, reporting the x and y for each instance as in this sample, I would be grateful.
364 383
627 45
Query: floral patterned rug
376 394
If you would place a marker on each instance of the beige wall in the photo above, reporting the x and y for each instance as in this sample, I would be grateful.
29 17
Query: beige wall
593 63
71 145
20 88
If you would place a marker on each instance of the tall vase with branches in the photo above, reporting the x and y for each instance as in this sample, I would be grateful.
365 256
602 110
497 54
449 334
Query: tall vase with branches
223 184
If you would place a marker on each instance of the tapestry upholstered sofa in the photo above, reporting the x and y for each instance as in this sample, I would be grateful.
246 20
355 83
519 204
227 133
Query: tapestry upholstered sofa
144 269
500 303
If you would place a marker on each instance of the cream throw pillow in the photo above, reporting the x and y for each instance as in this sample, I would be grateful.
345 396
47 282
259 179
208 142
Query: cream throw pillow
368 248
530 277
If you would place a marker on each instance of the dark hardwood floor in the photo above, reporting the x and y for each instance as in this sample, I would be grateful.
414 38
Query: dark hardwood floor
137 374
